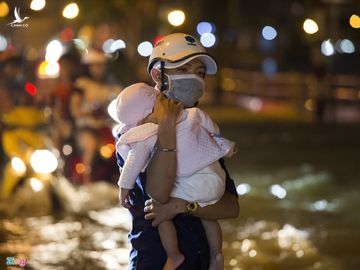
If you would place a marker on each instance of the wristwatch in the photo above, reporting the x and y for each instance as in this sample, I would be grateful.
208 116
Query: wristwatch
192 207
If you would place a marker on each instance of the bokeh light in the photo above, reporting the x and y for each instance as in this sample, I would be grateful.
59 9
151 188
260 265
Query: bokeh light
53 69
48 69
278 191
145 48
30 88
107 45
354 21
54 50
36 184
67 149
176 17
327 48
117 45
347 46
208 40
269 32
3 43
204 27
43 161
42 69
71 11
67 34
37 4
107 151
320 205
80 168
79 44
4 9
18 165
310 26
243 188
252 253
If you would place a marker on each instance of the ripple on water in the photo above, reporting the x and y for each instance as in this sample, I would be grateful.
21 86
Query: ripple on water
269 245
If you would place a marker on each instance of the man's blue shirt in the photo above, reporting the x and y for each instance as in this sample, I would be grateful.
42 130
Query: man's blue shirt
147 251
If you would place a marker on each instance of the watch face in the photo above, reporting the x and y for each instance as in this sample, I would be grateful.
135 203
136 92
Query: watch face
192 207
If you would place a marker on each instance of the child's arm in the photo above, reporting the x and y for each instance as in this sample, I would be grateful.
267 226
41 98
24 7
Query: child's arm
136 160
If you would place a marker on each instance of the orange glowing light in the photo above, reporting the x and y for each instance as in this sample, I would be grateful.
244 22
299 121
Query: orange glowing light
80 168
354 21
107 150
42 69
4 9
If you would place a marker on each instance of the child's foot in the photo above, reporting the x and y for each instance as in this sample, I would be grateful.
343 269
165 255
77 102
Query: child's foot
216 262
174 262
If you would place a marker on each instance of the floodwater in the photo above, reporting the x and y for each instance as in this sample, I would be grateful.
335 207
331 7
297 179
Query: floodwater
299 193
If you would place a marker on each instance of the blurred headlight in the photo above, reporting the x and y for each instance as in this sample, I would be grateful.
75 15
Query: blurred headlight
43 161
36 184
18 165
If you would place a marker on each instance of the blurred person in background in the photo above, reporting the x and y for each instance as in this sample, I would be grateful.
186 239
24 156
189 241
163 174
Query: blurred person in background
96 88
63 89
12 84
12 91
182 56
20 119
89 101
87 164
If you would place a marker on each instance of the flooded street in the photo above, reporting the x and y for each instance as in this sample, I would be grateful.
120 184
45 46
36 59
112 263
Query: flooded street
299 192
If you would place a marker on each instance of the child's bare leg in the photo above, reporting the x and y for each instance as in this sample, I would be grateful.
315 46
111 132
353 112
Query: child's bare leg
169 241
214 236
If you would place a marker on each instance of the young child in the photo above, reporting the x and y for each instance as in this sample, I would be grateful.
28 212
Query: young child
200 177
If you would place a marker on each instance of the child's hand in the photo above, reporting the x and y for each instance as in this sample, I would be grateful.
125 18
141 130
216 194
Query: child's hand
124 197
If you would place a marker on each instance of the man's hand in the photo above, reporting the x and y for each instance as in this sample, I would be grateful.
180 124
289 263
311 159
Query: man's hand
161 212
165 111
124 197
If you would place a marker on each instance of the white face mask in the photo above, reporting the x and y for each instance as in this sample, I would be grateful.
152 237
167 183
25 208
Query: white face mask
186 88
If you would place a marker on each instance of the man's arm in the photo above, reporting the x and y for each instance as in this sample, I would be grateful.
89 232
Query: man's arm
226 207
161 172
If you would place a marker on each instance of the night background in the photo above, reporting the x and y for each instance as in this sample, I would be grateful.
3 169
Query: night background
287 91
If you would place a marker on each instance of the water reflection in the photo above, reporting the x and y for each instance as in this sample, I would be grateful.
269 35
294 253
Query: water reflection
96 241
299 231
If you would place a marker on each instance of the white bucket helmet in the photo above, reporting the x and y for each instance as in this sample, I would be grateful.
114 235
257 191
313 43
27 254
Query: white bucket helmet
177 49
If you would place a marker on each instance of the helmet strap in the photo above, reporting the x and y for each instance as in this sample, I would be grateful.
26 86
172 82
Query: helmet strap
163 86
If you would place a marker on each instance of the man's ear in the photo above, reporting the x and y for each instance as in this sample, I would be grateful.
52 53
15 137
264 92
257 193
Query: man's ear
155 75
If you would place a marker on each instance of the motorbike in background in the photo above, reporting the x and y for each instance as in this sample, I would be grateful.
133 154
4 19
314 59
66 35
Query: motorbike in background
31 164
